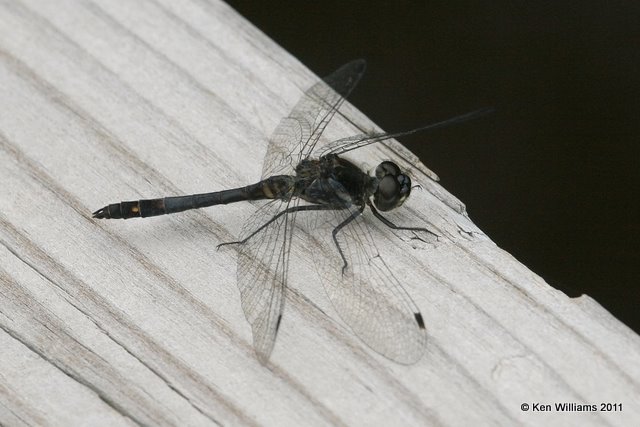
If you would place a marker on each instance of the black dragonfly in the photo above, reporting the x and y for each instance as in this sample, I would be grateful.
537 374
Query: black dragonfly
301 174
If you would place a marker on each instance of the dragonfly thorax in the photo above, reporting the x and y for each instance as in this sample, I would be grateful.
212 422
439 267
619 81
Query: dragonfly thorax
393 186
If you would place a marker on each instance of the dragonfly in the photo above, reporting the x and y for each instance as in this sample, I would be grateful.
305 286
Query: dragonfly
303 174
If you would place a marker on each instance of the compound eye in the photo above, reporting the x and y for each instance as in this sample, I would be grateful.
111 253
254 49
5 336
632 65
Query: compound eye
388 188
387 168
393 187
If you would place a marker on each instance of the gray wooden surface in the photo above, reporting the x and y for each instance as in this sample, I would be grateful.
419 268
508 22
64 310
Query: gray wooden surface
139 322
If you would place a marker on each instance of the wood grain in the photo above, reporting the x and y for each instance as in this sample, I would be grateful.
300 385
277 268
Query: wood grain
139 322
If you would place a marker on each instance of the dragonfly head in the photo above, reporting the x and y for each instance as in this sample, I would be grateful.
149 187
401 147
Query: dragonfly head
393 187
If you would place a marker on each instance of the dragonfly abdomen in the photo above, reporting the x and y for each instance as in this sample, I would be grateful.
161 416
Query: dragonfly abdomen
275 187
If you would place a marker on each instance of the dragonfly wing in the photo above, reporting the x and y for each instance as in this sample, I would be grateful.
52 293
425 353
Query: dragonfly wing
366 294
262 272
263 259
297 134
354 142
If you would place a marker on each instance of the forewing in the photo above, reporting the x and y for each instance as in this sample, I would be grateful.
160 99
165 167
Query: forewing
297 134
354 142
262 272
366 294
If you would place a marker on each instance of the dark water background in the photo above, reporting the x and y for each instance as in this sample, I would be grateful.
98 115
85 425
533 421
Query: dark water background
553 176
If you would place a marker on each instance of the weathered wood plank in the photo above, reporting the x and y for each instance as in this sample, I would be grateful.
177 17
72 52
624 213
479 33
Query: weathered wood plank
140 322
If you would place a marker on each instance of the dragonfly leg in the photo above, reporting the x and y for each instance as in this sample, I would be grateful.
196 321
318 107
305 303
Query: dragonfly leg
390 224
340 226
284 212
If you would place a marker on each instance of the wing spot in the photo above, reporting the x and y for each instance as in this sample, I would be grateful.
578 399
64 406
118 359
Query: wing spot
419 319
